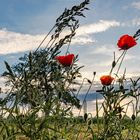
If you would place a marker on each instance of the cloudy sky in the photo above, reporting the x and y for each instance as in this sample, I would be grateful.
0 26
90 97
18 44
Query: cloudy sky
24 23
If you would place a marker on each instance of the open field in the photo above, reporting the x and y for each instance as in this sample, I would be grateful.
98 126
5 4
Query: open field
76 129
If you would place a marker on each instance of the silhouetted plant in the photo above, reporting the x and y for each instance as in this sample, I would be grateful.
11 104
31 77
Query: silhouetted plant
39 83
40 100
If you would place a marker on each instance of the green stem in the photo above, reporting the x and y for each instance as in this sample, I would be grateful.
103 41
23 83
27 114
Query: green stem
116 61
121 62
44 38
86 94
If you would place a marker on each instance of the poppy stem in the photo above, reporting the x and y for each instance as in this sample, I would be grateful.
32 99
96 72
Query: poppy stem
86 94
81 85
116 61
121 62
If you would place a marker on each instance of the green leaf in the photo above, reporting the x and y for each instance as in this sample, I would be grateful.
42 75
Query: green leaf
8 67
10 72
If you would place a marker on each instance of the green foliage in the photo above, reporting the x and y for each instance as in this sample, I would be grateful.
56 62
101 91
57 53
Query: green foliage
41 86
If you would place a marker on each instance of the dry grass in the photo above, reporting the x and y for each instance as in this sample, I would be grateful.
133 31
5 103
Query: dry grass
22 138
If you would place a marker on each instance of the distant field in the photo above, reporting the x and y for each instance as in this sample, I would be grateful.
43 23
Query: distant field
77 128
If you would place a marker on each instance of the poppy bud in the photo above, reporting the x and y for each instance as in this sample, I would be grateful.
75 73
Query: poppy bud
89 122
133 117
85 116
121 87
74 77
89 81
59 95
120 116
113 64
119 109
94 73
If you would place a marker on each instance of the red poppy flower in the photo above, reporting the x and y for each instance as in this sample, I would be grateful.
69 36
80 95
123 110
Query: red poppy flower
66 60
125 42
106 80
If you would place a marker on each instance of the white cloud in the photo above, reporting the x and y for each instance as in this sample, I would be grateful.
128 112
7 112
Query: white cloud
12 42
136 22
107 49
81 40
136 5
133 22
101 26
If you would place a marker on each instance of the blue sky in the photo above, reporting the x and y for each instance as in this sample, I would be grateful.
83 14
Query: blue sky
24 23
33 16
